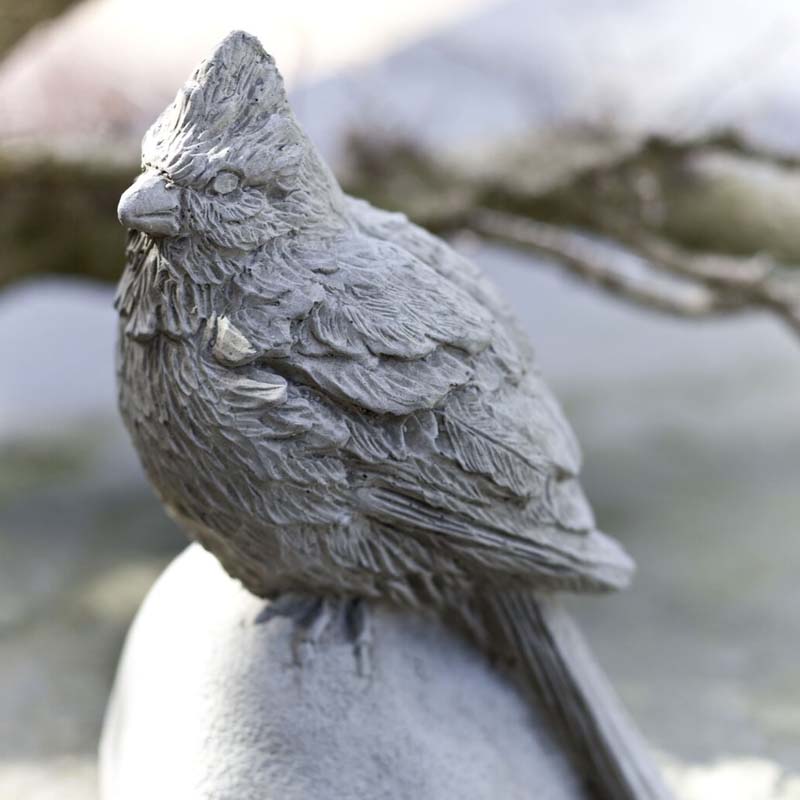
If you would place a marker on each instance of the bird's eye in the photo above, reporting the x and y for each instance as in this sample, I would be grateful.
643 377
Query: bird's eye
225 182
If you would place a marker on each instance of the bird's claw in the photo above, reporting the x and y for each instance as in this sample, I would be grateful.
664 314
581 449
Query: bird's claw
311 629
361 630
313 616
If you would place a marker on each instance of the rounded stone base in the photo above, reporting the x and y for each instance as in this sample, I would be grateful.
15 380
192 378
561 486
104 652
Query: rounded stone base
211 702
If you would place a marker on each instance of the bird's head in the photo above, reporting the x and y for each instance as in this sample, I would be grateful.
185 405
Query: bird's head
226 162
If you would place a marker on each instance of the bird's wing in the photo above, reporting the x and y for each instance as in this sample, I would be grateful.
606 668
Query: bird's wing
390 334
465 446
442 258
492 479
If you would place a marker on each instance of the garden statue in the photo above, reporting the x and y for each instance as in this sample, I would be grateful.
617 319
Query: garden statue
338 406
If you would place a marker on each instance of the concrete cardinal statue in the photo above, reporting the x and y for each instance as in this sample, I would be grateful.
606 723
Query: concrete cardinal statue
339 407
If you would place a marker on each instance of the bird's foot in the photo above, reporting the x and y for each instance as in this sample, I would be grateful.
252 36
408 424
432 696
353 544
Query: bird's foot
360 625
312 625
313 616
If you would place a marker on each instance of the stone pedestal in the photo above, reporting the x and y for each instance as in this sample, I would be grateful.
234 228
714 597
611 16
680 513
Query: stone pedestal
210 703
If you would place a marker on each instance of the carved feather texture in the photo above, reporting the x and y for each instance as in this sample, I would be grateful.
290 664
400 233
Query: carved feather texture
484 440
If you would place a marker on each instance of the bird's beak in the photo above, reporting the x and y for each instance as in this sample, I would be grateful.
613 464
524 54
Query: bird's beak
151 206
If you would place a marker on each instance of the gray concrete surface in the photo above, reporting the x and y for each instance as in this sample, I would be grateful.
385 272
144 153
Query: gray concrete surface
225 712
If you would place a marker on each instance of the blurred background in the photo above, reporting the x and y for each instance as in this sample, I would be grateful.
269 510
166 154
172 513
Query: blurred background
626 171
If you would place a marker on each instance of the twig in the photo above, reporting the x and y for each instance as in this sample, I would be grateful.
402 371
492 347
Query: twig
612 271
759 280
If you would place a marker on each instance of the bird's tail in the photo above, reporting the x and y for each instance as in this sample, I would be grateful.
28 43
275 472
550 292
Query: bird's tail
555 663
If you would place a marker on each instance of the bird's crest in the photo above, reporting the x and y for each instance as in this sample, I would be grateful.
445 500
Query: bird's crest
234 102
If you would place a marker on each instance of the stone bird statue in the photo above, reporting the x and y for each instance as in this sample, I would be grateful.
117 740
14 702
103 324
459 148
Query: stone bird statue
340 408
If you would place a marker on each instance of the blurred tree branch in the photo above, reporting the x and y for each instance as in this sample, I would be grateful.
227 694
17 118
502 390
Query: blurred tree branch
59 217
612 271
695 229
17 18
707 285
